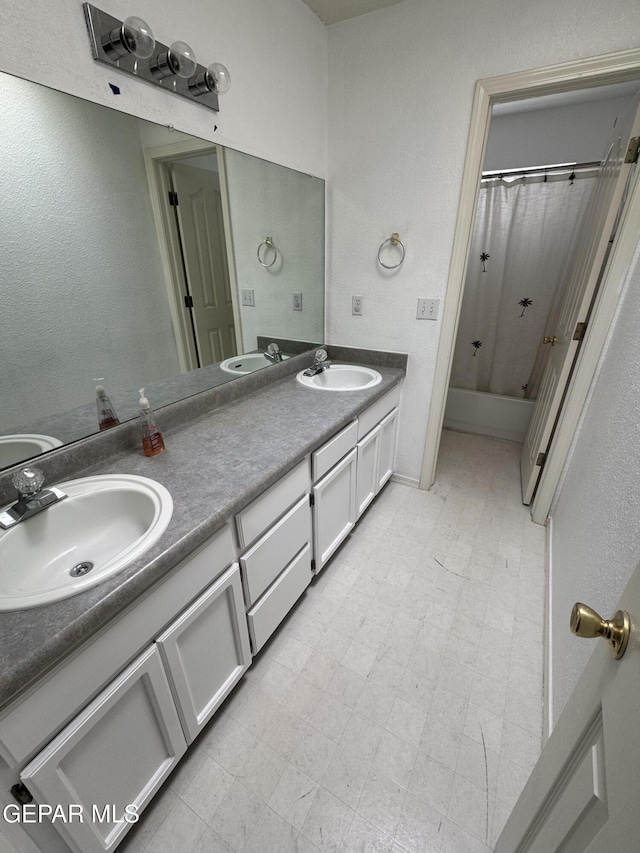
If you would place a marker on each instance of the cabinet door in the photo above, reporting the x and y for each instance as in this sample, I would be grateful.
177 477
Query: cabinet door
206 651
387 450
367 479
334 508
116 753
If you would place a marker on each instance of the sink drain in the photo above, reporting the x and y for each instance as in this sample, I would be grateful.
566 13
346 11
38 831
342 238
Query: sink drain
81 569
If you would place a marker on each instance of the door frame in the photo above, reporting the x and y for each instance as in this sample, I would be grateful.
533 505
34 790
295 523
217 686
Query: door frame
579 74
156 160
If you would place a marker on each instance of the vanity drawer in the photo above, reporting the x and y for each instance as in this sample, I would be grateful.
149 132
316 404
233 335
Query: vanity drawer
265 617
333 450
259 515
375 413
262 564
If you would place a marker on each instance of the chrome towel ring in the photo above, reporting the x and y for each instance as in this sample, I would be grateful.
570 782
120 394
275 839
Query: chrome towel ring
394 240
268 244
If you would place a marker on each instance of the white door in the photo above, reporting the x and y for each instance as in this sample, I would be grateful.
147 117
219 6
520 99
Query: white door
334 508
582 796
591 255
205 260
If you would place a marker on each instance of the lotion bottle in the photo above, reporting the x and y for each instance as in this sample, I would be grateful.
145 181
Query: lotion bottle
152 441
106 413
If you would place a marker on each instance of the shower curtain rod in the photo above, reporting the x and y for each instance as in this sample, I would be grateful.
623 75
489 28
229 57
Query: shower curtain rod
540 170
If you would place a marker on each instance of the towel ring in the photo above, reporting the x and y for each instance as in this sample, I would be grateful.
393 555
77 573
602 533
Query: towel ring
268 243
394 240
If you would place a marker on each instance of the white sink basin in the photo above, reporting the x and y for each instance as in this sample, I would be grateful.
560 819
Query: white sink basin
246 363
17 448
342 377
102 525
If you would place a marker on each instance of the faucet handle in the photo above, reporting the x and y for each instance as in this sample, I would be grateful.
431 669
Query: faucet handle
320 356
28 482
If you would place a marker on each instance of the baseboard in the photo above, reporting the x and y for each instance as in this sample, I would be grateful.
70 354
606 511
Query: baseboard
547 724
406 481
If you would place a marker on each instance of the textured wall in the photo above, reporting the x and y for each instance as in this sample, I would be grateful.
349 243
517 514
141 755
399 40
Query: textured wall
82 287
400 93
275 51
596 522
575 133
267 200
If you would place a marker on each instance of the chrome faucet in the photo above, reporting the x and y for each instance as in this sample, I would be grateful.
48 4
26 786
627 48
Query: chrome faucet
32 498
320 363
273 353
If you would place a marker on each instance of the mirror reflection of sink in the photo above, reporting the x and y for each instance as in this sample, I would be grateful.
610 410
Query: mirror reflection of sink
246 363
17 448
103 524
342 377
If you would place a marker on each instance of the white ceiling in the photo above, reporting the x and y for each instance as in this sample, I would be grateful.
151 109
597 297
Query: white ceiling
332 11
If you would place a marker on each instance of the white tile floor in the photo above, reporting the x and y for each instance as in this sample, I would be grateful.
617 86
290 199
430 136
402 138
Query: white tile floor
399 708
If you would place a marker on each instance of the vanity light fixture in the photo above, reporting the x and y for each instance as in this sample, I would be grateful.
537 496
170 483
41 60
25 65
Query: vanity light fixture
130 46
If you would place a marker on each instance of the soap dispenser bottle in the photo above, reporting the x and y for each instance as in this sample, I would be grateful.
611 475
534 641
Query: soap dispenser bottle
106 413
152 441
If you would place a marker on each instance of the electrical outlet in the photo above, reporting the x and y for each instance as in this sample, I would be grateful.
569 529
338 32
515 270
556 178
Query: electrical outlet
248 298
428 309
356 305
297 300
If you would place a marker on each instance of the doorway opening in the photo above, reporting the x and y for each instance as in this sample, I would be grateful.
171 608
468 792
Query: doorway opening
570 82
189 195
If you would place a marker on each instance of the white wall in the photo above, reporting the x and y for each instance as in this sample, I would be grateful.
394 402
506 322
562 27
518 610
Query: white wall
267 200
567 134
400 93
275 51
596 517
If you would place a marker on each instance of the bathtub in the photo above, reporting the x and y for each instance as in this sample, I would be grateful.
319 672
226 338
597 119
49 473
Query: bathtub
488 414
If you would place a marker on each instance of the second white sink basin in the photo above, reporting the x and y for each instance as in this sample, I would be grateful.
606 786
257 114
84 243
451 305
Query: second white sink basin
103 524
241 364
342 377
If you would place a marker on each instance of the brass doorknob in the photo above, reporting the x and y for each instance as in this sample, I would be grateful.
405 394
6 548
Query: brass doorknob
548 340
585 622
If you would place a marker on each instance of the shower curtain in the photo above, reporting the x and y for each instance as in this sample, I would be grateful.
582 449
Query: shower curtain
522 250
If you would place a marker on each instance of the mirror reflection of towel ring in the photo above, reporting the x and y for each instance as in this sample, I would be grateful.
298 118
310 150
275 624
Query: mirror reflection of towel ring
394 240
268 244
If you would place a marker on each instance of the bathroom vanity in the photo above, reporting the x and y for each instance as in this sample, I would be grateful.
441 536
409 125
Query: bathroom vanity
107 689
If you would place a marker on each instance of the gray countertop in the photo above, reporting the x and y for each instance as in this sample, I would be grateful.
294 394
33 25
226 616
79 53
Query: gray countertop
213 467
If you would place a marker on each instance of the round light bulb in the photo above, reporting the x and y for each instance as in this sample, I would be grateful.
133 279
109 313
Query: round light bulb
138 37
182 59
220 79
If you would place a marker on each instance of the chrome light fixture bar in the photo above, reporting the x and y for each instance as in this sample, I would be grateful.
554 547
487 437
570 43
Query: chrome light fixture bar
131 47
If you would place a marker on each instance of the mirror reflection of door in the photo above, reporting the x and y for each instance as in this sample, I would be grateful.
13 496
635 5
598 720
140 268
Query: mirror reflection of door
200 225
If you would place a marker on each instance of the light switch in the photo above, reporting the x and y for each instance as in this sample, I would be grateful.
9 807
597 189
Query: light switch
428 309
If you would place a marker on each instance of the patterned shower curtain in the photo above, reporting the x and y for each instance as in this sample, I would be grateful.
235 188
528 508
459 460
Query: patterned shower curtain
522 250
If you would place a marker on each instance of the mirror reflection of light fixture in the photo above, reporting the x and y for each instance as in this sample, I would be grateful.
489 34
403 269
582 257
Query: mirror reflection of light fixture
178 61
133 37
127 46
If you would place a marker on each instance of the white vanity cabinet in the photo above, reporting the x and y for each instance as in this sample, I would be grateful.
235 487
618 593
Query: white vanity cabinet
206 651
117 752
359 461
276 569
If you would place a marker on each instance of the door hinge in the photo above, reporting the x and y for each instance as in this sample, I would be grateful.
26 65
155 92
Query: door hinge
21 794
188 302
633 150
173 198
580 332
312 500
542 458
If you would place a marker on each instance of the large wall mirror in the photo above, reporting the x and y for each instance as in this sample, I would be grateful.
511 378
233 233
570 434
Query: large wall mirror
104 275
